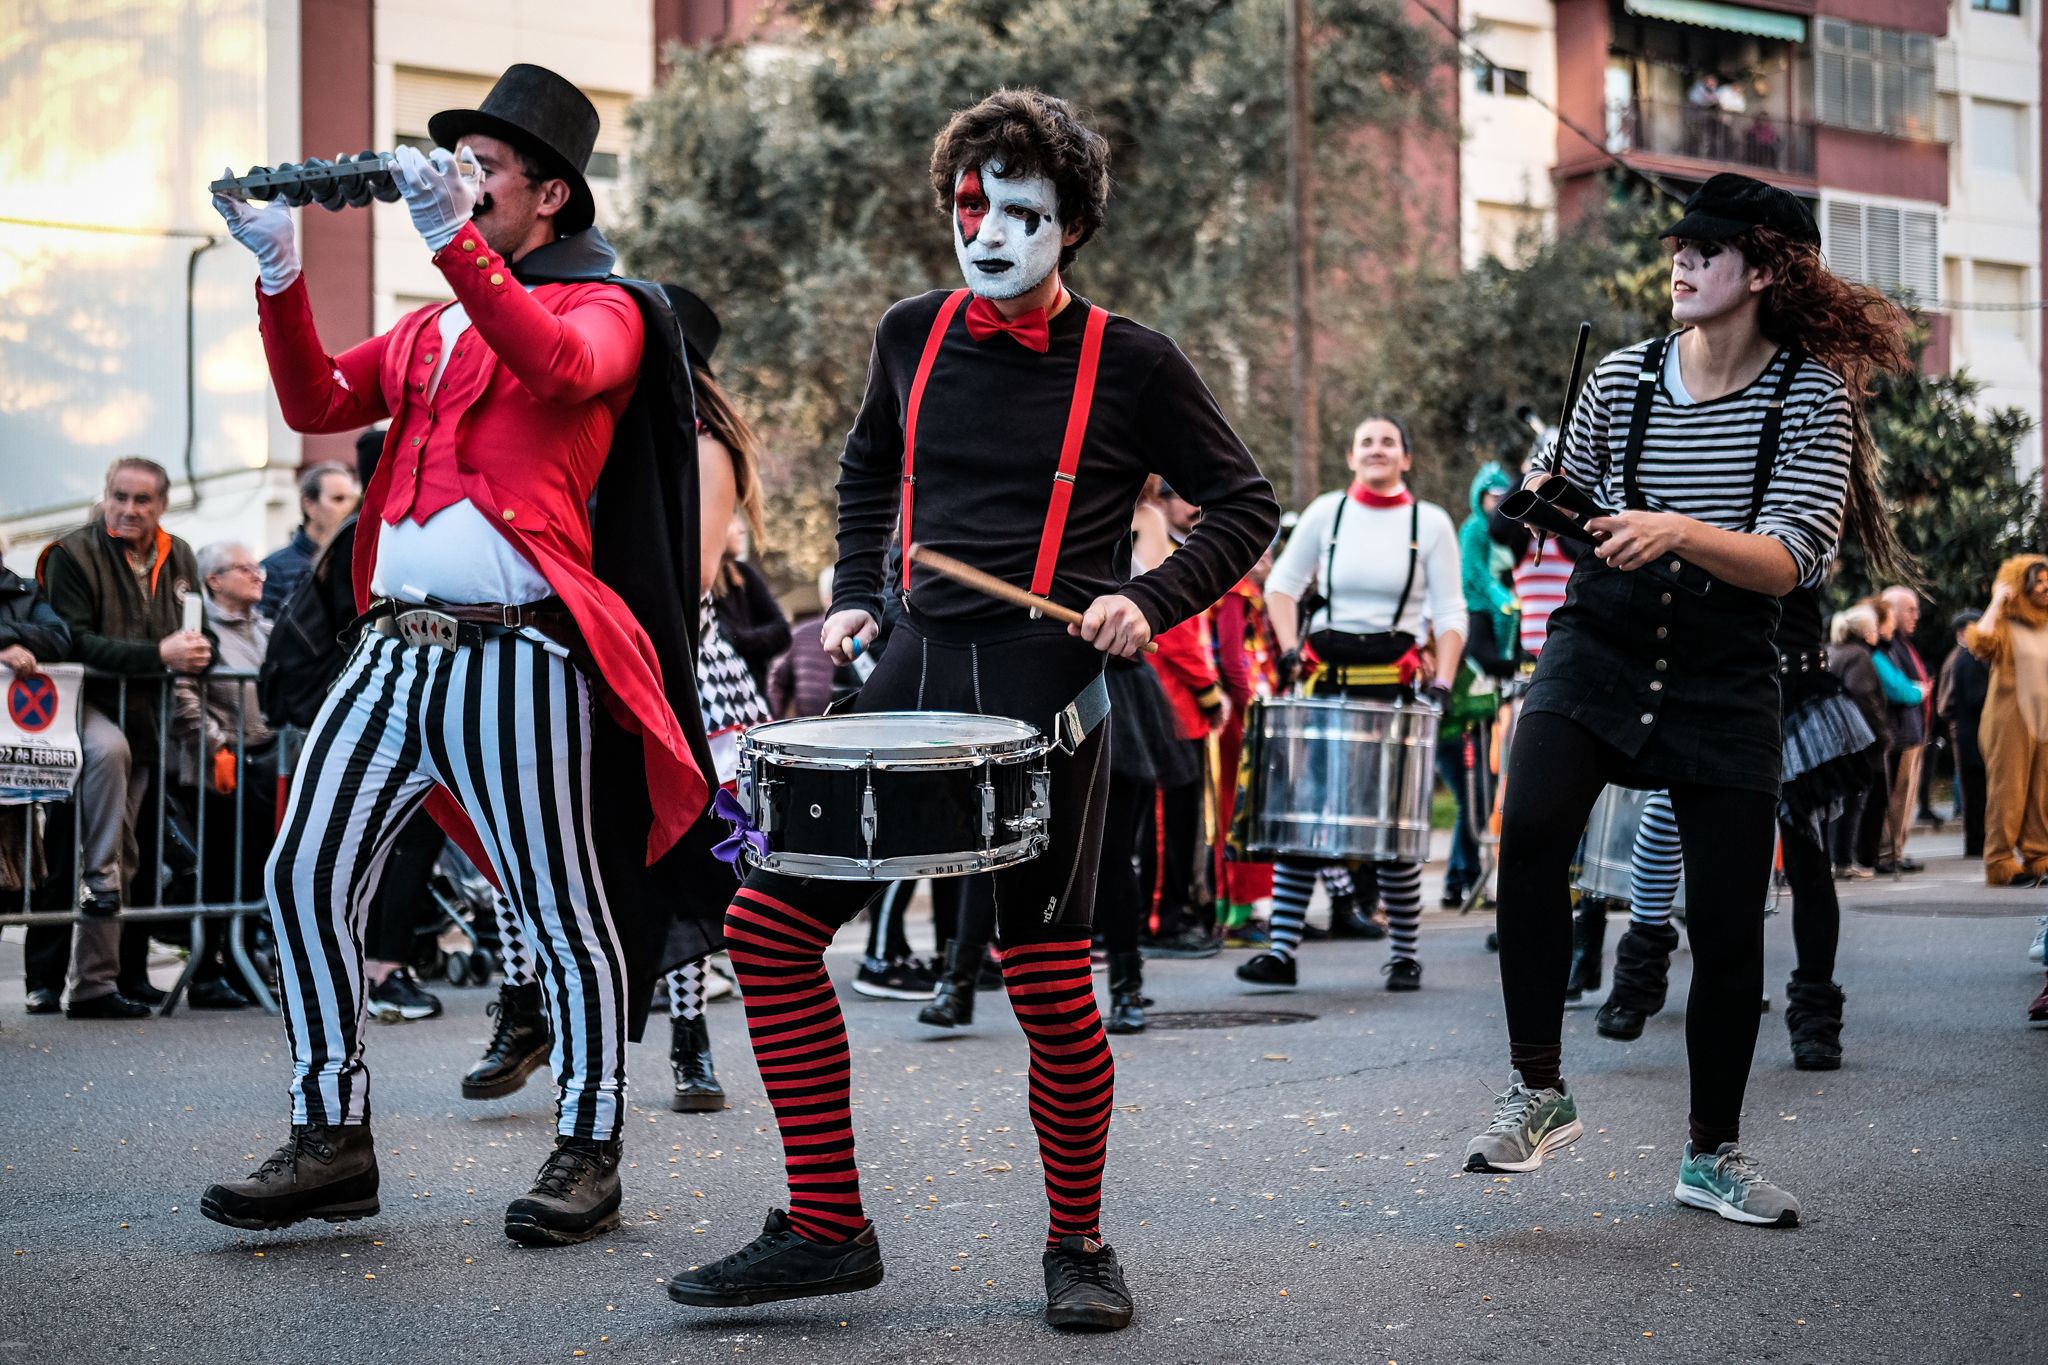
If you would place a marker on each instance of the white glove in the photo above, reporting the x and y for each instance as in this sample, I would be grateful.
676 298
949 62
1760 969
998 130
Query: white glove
440 199
268 233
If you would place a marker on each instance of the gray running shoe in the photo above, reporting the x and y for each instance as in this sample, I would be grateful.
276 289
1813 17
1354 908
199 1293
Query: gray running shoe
1727 1182
1527 1126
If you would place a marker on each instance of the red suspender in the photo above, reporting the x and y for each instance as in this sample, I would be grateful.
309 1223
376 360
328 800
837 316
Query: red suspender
924 372
1070 448
1070 453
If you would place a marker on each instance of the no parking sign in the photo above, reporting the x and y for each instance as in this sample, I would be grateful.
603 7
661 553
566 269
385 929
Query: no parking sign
40 753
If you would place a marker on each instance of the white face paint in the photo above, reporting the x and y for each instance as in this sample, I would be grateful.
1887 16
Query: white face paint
1708 279
1005 232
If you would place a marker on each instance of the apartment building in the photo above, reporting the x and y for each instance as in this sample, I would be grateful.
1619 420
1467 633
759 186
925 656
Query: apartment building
1915 128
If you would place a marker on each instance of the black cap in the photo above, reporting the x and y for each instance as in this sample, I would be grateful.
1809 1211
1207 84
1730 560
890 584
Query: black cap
1730 205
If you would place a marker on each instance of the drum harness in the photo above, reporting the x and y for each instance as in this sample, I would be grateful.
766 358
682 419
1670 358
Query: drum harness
1365 674
1073 722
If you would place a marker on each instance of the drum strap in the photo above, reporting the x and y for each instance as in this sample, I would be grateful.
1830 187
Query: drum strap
1767 443
1407 584
1081 715
1070 447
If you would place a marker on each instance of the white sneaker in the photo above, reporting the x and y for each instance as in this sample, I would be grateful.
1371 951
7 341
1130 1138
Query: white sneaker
2039 950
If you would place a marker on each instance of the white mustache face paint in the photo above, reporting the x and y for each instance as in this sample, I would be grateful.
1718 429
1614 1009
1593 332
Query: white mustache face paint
1005 232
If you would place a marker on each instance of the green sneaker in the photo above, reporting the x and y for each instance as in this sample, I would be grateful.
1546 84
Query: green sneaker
1727 1181
1527 1126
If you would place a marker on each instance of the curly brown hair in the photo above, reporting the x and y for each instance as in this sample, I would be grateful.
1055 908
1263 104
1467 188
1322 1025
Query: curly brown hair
1860 335
1027 133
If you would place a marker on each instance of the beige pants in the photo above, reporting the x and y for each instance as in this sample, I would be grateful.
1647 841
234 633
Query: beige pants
1904 804
110 792
2015 800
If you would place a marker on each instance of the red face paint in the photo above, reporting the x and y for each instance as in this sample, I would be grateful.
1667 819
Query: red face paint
970 206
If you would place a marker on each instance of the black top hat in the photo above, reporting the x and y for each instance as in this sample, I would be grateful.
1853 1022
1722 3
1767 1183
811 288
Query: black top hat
544 116
701 328
1729 205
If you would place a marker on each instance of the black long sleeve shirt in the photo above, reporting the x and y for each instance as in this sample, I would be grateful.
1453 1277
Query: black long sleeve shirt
989 431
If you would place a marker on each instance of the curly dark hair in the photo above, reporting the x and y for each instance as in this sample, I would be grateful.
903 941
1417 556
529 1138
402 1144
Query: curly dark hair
1029 133
1859 334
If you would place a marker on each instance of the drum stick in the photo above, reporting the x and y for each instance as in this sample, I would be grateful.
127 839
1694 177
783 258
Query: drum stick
997 588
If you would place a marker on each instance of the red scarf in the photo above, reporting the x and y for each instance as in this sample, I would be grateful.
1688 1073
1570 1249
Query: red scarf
1365 497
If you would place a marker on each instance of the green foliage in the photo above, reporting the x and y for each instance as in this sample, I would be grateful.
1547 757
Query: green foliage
1950 482
786 182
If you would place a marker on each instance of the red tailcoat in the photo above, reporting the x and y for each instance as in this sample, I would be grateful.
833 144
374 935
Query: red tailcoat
519 424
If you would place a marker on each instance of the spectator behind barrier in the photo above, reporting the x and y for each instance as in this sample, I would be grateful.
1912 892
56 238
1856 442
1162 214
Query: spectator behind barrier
120 583
31 635
328 495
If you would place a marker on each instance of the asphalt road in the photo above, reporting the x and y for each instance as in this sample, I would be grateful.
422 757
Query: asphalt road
1286 1192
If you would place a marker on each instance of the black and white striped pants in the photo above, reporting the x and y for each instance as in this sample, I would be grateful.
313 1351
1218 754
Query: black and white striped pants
505 727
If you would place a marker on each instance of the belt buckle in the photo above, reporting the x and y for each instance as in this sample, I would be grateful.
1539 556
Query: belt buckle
429 629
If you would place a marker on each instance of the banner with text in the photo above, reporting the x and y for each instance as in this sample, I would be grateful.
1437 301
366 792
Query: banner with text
40 752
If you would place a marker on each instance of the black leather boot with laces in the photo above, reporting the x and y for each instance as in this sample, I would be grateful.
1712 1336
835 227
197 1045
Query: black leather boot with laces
1084 1287
689 1057
1126 993
319 1172
781 1264
574 1198
953 1004
519 1044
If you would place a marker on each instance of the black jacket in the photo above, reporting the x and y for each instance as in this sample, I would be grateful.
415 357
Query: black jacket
28 620
753 621
644 539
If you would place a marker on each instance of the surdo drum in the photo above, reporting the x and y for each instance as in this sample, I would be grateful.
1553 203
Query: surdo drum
1340 778
895 795
1609 851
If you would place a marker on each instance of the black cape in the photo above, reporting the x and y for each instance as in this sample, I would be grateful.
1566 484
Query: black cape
644 545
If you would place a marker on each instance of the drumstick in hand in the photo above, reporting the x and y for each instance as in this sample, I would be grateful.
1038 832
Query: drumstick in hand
997 588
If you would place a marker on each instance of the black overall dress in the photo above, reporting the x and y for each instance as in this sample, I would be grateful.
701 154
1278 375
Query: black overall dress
1673 667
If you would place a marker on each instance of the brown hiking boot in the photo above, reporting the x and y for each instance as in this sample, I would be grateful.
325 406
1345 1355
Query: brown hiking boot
320 1172
574 1198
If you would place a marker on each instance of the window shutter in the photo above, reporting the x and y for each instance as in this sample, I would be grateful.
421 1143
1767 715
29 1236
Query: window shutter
1845 239
1897 250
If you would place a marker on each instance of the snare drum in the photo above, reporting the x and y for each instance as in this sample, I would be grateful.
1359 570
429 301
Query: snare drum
1609 852
1336 778
895 795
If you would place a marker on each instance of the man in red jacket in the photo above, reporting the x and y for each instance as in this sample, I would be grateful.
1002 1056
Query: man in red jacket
491 642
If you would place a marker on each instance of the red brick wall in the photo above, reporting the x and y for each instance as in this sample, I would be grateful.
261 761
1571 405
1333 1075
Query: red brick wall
1914 16
1869 163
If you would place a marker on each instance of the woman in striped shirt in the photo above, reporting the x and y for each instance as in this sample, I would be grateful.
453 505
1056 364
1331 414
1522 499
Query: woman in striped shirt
1731 450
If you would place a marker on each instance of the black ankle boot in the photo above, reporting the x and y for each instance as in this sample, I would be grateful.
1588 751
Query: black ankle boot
574 1198
518 1046
1642 975
689 1055
953 1004
1813 1016
1347 920
1126 993
1589 942
320 1172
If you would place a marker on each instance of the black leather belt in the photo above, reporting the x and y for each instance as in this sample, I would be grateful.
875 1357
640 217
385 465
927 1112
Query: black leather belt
459 625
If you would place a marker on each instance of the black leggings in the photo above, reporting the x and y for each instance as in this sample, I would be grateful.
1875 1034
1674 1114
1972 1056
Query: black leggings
1559 769
1816 913
1119 894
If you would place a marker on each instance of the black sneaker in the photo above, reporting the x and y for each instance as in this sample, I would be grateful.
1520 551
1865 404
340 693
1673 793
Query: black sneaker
1084 1287
141 992
903 979
399 999
112 1005
780 1264
574 1198
1403 974
320 1172
43 1000
1188 943
216 994
519 1044
1267 969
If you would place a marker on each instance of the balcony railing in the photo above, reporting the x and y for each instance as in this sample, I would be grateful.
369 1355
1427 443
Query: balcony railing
1753 141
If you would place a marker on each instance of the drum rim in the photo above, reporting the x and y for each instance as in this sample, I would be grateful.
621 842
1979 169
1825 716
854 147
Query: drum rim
906 867
759 742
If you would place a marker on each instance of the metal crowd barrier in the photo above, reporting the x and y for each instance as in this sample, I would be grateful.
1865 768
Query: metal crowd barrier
156 891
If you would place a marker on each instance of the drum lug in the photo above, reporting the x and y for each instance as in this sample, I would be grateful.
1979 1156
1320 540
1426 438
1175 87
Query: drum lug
987 789
1041 795
763 804
868 818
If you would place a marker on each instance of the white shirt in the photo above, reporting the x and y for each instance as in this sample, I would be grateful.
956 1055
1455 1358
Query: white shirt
457 556
1371 565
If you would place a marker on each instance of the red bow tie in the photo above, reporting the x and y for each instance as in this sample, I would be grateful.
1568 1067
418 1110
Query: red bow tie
1029 330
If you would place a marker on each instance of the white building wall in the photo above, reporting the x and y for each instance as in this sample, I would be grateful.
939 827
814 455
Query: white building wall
117 118
1510 143
1993 223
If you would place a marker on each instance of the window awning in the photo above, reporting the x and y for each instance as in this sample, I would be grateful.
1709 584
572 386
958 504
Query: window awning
1761 23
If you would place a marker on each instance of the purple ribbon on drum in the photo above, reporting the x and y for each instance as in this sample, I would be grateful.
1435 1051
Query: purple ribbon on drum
726 807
